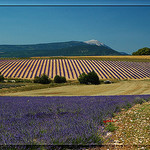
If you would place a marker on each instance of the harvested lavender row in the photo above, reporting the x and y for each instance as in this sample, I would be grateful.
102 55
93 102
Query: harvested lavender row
30 68
59 67
29 65
67 68
81 62
34 68
71 70
74 68
63 67
55 67
45 66
58 120
23 68
52 68
38 68
80 66
103 72
87 66
49 68
41 68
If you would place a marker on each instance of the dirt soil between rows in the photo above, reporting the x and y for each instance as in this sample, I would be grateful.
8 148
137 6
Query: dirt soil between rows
133 87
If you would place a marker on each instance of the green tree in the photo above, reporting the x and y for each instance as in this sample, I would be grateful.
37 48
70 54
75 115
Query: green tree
91 78
1 77
142 51
37 79
44 79
59 79
83 78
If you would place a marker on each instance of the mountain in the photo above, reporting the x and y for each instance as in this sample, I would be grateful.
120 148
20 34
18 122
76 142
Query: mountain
123 53
43 46
95 42
71 48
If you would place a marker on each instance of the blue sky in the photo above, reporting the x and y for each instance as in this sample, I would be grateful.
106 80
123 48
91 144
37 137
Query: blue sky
122 28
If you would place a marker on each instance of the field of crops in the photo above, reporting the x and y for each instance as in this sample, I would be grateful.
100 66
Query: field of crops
72 68
59 120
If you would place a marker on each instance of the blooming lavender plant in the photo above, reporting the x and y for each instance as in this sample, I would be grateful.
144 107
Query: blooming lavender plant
57 120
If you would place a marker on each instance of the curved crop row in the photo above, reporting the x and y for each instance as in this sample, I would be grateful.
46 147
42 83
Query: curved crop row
71 69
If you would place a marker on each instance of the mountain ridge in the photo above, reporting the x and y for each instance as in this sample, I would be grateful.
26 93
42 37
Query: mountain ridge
70 48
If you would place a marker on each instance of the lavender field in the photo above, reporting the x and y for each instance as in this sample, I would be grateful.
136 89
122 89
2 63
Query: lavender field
72 68
59 120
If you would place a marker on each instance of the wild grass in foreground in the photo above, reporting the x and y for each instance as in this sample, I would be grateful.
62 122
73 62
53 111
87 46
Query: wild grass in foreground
133 125
58 120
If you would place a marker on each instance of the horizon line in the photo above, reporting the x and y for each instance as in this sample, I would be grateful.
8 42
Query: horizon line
74 5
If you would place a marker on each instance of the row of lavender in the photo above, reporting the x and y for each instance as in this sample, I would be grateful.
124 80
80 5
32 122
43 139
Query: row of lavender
71 69
58 120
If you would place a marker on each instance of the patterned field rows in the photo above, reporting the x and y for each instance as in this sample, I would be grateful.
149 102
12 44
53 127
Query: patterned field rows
28 72
40 67
14 70
103 70
75 68
117 71
142 69
71 68
77 65
71 71
94 67
6 65
139 72
129 71
110 72
27 68
120 72
9 68
34 69
22 70
2 64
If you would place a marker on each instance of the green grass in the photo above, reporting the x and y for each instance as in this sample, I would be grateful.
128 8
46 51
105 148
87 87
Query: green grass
111 127
32 86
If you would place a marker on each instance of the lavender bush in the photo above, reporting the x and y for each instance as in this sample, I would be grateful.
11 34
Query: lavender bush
58 120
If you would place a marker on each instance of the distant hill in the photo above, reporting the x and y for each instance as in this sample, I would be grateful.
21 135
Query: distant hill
123 53
71 48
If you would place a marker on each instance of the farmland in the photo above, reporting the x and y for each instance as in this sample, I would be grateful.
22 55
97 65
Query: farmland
68 113
132 87
72 68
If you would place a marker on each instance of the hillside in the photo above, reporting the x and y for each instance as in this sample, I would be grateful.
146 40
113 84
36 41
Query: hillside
71 48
